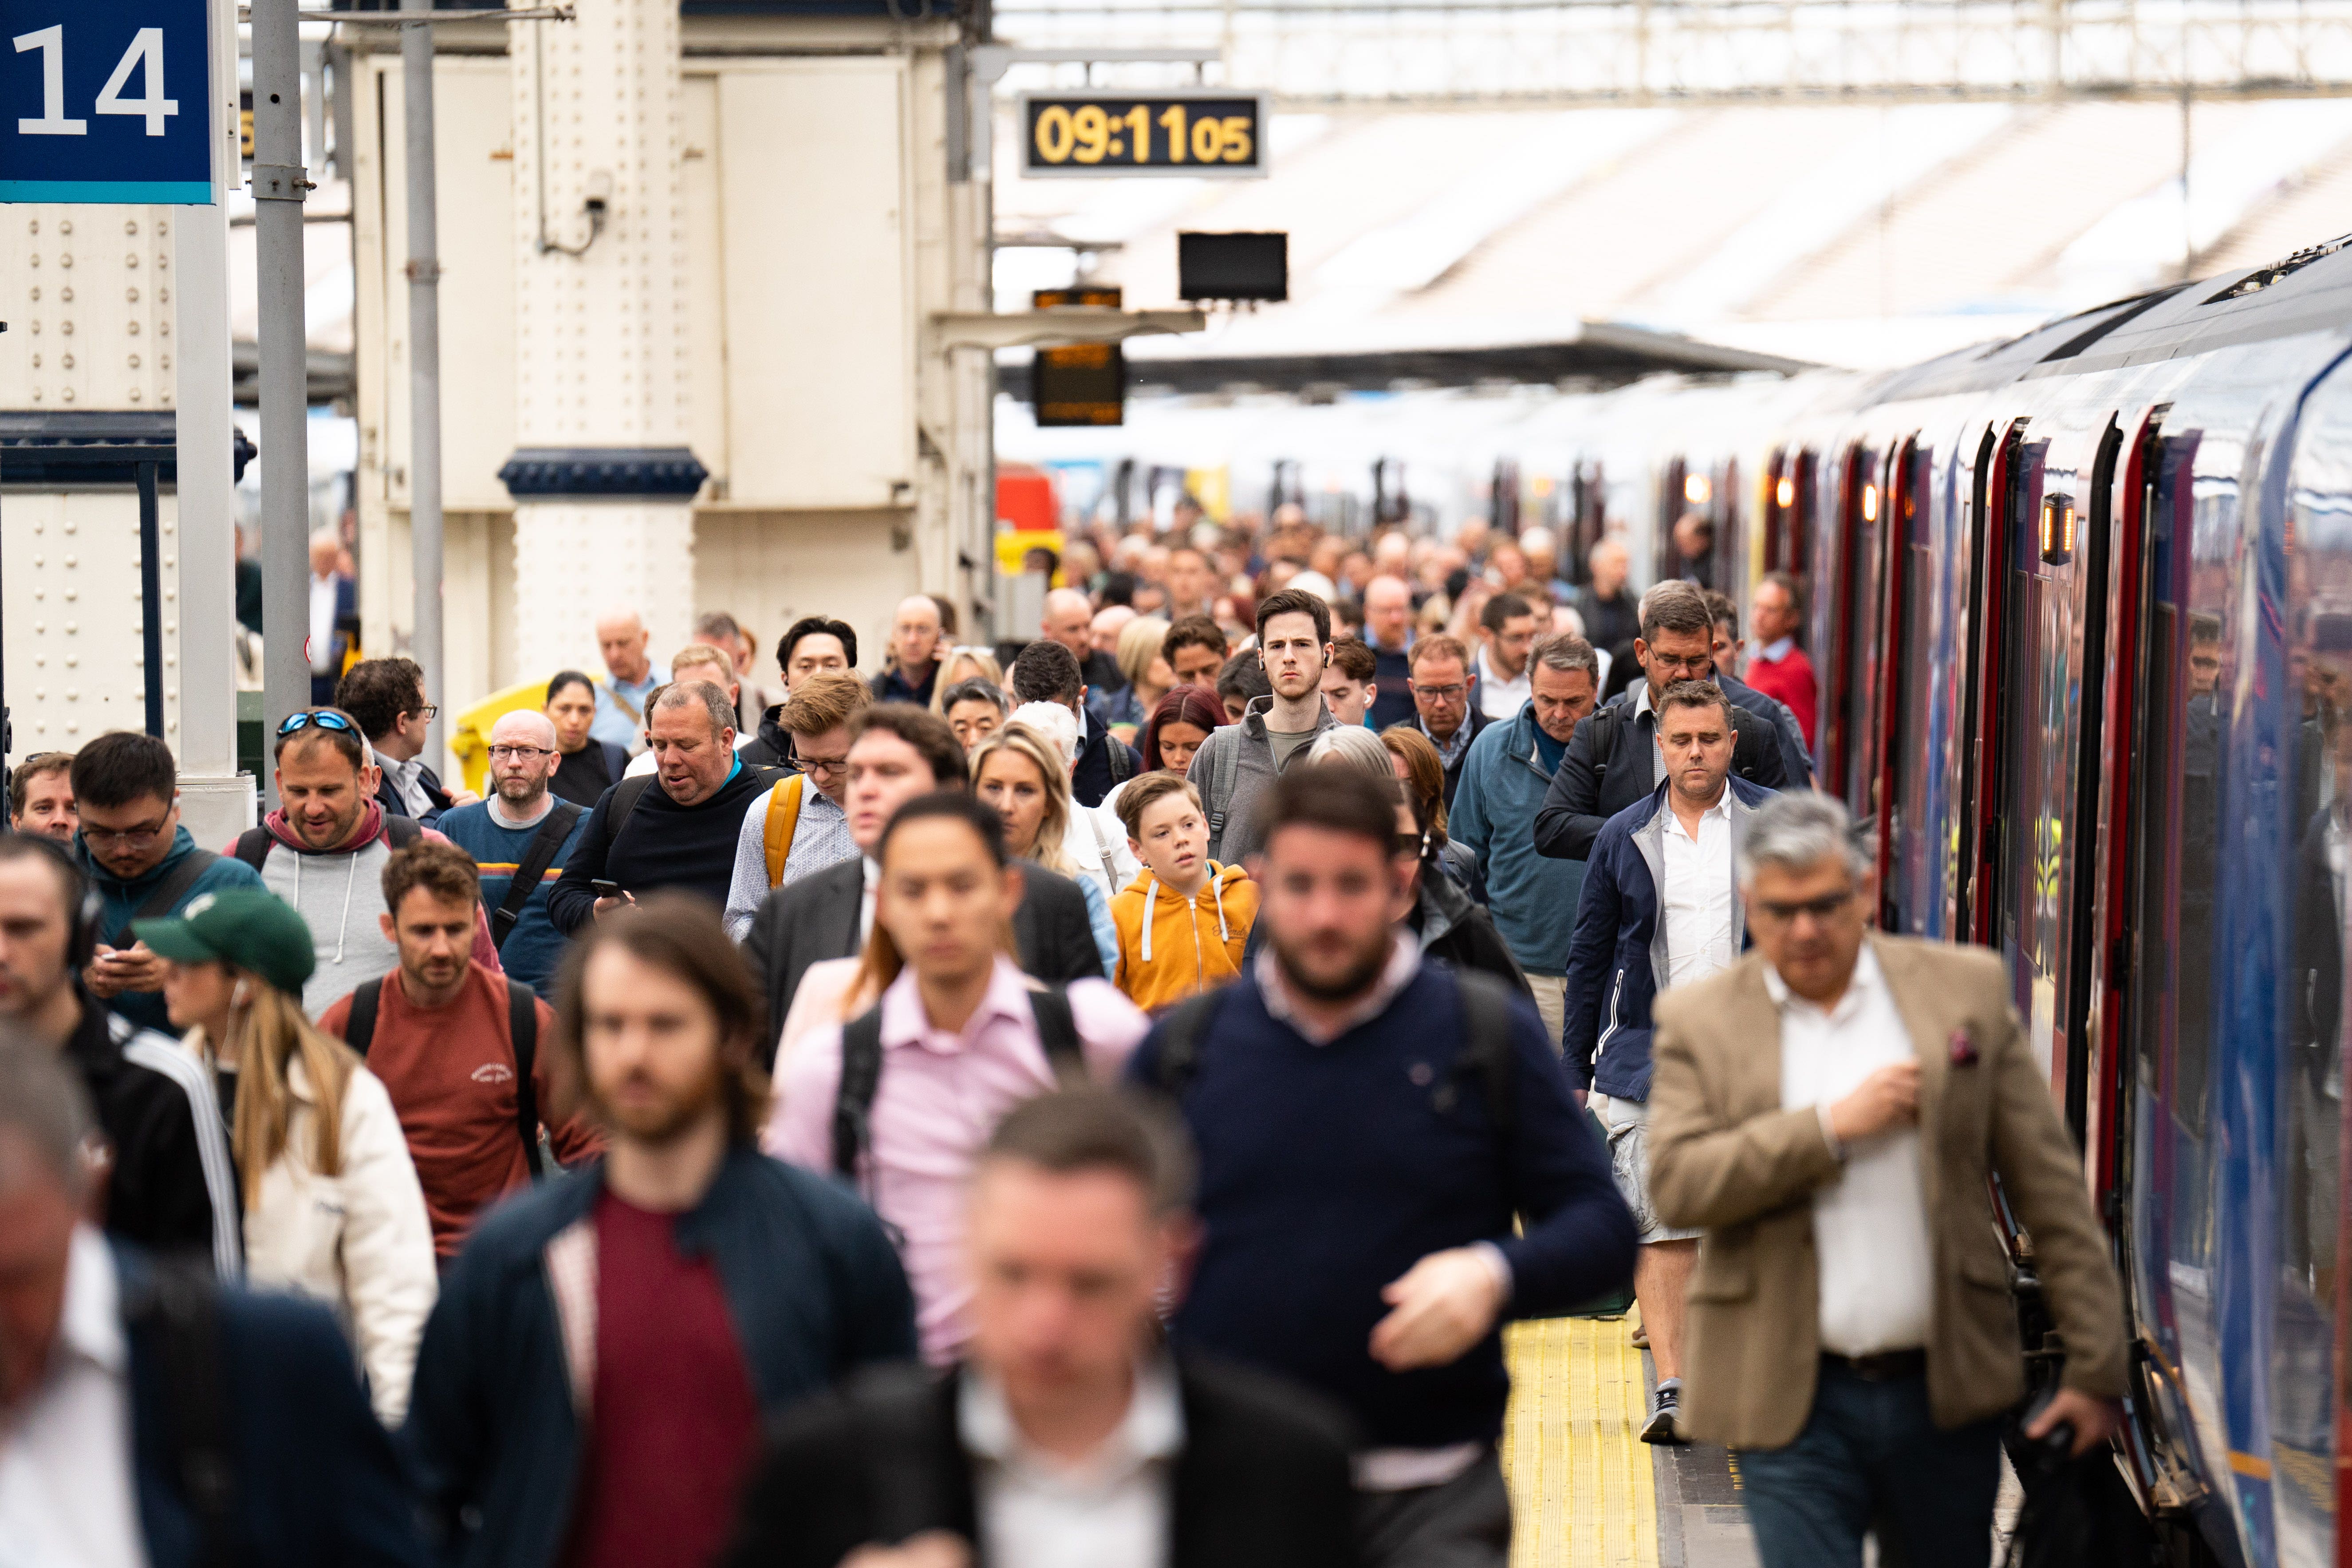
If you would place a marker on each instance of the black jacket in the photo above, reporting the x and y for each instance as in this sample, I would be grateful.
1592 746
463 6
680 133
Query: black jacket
387 796
171 1189
1477 722
773 748
816 919
1461 934
1262 1480
661 845
1097 773
584 776
1588 791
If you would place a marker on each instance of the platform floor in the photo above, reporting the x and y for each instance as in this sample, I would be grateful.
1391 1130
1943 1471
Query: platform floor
1586 1492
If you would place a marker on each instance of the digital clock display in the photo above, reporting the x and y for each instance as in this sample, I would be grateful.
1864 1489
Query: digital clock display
1198 135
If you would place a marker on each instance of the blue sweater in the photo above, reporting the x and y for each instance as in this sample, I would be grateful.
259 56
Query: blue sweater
1532 896
534 950
120 900
1326 1171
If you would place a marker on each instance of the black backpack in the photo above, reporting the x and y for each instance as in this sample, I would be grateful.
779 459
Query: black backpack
861 1071
522 1023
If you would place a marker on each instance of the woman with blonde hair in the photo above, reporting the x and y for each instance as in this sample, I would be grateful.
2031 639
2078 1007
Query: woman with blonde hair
332 1208
1020 773
962 664
1150 677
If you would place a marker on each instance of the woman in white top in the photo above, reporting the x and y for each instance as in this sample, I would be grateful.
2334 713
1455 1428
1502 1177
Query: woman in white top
333 1209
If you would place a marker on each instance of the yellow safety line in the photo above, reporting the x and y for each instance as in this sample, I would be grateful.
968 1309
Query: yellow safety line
1581 1493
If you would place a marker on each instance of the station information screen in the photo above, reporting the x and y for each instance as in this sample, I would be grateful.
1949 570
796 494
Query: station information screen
1079 384
1196 135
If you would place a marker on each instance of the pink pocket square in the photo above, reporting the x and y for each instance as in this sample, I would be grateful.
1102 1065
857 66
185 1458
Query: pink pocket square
1963 1049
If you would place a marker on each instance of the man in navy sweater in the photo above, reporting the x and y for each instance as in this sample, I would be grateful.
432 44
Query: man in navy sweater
1368 1125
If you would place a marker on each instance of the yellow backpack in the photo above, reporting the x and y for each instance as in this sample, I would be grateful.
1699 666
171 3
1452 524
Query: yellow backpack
784 821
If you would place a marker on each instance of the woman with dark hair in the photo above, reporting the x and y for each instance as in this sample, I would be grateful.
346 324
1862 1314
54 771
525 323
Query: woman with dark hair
1422 775
1180 722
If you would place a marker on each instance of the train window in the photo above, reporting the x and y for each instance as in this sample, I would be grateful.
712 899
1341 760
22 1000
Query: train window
1914 847
2025 761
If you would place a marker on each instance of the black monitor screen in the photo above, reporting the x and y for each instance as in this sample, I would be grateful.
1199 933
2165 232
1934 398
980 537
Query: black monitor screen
1232 266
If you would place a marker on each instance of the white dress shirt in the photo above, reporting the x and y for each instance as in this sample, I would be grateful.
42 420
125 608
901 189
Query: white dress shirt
1697 894
1499 698
1110 1509
322 625
408 783
1870 1227
65 1492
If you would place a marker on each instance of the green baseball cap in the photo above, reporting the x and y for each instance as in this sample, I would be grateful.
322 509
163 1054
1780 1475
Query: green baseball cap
256 932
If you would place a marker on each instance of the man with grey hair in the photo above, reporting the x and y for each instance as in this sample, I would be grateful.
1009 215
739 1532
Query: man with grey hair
98 1346
1827 1113
674 828
1509 769
1613 762
1659 908
632 678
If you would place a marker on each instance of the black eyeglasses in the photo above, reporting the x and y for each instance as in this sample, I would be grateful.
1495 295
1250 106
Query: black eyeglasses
322 718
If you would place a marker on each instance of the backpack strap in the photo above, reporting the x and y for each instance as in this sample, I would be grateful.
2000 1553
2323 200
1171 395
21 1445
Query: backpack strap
1119 771
1487 1049
626 796
1222 768
253 846
853 1103
400 832
545 844
1178 1062
522 1028
1058 1031
165 895
359 1030
181 1305
784 823
1604 738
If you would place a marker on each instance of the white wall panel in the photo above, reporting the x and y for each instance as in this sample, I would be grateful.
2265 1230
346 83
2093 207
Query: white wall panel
820 317
69 573
768 569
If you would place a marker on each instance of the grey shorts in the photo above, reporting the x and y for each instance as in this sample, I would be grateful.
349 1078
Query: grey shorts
1627 1122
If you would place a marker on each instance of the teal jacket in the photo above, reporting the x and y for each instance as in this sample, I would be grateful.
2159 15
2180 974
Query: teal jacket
120 900
1532 896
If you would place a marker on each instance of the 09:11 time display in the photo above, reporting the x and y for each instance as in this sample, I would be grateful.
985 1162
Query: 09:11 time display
1192 135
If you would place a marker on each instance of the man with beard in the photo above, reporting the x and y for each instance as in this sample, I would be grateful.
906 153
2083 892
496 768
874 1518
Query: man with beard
455 1045
1368 1125
520 839
327 842
605 1351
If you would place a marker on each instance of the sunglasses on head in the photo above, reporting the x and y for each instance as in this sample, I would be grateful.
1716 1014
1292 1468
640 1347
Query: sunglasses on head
325 720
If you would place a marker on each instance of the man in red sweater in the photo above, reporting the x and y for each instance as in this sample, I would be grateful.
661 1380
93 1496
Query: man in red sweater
1778 667
440 1034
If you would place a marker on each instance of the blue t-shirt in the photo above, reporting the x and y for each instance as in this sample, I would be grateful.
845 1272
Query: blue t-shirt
535 950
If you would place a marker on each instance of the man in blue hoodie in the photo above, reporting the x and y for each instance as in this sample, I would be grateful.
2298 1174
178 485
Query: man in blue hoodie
142 863
1504 779
1661 907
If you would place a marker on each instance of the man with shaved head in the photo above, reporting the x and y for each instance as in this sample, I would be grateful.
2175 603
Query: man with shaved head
1109 621
914 653
520 839
1069 619
622 638
1388 628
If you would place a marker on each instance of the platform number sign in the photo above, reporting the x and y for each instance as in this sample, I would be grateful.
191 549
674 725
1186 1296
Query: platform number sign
105 100
1191 135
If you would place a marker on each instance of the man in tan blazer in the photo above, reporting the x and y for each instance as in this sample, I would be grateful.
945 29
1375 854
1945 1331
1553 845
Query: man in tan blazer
1827 1111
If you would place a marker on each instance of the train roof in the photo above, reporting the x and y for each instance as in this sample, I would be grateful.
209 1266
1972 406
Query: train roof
2310 291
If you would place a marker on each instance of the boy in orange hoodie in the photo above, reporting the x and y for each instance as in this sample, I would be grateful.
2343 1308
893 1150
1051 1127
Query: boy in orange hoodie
1184 920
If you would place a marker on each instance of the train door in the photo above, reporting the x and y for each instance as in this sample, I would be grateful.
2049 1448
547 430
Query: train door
1990 655
1902 767
1845 607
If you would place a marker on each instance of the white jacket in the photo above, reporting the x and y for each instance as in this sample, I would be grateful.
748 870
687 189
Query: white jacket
360 1242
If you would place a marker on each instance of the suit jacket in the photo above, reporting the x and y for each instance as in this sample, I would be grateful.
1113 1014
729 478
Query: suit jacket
1262 1481
1726 1155
387 796
315 1481
814 919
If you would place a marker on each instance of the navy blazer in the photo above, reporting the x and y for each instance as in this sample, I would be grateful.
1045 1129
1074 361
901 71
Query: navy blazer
1618 949
387 796
316 1482
813 1290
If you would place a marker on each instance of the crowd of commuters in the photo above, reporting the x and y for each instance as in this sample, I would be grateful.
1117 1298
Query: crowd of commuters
1094 1102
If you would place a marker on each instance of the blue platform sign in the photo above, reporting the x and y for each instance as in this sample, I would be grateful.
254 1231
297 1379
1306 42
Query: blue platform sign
105 100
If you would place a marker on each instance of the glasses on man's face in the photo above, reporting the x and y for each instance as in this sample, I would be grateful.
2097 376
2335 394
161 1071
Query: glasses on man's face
519 753
1694 666
831 767
427 712
127 838
1454 693
1820 909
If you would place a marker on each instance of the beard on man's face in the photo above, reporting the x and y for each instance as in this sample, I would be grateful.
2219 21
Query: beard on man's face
1328 968
648 1111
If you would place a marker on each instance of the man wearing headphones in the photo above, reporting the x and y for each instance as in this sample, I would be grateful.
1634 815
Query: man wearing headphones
167 1184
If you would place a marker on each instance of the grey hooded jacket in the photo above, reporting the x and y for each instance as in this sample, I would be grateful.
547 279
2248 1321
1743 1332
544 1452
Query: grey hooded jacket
1233 768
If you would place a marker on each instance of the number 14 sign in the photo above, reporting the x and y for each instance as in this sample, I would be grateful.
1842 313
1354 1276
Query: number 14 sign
105 100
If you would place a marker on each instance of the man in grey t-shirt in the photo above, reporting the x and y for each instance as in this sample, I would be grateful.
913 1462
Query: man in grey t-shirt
1234 766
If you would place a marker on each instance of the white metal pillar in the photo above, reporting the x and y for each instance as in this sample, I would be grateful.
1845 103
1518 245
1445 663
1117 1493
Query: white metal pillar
603 480
216 801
